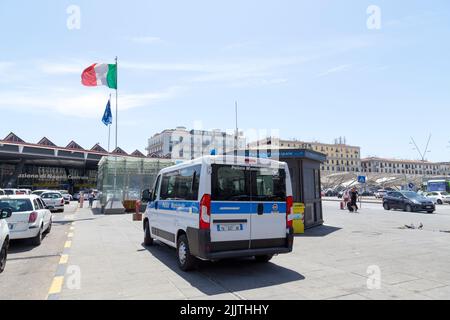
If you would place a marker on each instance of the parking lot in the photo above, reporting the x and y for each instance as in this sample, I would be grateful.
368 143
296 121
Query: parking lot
337 261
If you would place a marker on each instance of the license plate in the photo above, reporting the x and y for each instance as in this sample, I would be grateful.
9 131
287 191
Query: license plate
429 207
10 226
230 227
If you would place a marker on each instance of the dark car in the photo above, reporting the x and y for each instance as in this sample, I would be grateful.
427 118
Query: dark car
408 201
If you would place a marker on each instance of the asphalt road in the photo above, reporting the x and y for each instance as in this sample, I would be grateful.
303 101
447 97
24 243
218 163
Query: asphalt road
30 270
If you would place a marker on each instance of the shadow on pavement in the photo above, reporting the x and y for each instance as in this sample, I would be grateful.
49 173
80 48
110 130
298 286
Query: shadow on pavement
320 231
228 275
22 245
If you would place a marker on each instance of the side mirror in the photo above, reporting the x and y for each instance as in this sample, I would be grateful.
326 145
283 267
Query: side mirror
147 195
5 213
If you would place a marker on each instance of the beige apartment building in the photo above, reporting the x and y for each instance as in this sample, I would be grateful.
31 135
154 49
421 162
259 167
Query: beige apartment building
341 157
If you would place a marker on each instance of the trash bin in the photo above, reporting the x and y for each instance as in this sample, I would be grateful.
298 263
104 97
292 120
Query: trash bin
299 218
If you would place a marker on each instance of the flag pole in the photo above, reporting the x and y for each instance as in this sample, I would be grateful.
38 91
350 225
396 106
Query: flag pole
117 99
117 113
109 131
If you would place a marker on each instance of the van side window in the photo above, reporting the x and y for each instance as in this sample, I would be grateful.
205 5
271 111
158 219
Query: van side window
181 184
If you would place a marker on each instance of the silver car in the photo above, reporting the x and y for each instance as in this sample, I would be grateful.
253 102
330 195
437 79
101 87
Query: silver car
53 199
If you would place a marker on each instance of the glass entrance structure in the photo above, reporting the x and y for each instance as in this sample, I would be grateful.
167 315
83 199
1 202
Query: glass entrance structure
124 178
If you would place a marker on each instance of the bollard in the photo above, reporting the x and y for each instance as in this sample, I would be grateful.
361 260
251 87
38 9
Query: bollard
81 201
137 215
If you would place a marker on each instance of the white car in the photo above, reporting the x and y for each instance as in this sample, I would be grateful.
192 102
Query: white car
439 197
30 219
380 194
53 199
215 208
4 237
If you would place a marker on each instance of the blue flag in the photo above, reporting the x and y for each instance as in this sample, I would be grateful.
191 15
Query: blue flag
107 116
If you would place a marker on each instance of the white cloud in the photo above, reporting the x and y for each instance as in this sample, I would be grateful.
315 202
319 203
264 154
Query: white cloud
145 40
337 69
81 103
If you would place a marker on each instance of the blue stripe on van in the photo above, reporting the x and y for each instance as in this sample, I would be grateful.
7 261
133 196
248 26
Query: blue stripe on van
220 207
176 205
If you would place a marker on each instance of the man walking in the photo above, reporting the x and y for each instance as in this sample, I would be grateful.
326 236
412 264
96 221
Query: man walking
354 199
91 199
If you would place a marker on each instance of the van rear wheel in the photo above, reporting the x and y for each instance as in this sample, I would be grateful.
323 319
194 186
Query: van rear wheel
186 261
264 259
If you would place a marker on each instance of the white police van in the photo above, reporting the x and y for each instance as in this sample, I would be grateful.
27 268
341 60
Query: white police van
219 207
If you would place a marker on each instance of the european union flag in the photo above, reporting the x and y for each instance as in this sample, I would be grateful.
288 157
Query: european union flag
107 116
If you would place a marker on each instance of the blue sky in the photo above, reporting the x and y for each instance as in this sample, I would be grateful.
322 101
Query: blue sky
310 69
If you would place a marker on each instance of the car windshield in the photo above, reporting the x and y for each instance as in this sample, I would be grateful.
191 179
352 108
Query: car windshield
445 193
9 192
16 205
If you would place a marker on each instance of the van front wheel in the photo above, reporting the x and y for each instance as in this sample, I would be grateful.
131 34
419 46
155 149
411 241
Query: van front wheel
186 261
263 259
148 241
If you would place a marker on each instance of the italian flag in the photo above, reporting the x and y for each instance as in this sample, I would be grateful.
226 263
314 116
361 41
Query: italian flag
100 75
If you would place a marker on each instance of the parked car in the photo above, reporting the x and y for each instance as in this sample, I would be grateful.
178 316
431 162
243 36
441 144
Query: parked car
30 219
4 237
380 193
408 201
11 192
2 193
77 196
39 192
67 196
439 197
53 199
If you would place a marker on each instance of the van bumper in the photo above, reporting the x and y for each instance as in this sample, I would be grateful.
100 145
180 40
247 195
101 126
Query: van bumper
201 246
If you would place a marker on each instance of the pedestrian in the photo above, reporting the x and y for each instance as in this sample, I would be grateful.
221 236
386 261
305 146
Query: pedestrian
354 199
346 197
91 199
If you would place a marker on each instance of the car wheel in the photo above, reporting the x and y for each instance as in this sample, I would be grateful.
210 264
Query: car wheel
148 241
386 206
49 228
264 259
408 208
186 261
37 240
3 256
439 201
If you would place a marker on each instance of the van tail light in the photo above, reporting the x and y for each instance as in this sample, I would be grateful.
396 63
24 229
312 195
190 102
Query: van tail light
289 213
205 212
62 201
33 217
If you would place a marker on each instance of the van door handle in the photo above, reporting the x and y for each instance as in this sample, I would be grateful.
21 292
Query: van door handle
260 209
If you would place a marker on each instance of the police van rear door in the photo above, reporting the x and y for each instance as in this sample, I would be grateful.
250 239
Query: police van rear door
230 207
268 218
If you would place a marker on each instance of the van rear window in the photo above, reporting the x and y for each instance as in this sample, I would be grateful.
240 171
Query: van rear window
236 183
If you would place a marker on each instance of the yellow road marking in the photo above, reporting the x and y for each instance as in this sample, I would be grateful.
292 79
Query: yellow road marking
70 235
56 286
68 244
64 259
